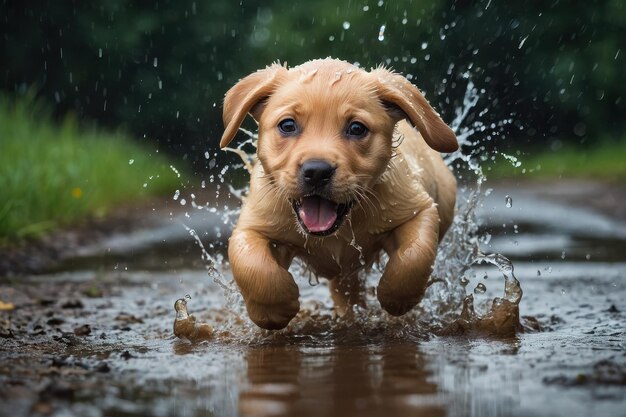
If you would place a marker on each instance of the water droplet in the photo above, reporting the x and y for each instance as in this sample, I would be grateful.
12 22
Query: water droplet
187 297
131 161
464 281
176 195
508 201
381 33
100 53
155 62
346 25
424 45
480 288
521 44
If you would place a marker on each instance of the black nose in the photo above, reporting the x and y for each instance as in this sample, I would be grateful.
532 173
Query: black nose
316 172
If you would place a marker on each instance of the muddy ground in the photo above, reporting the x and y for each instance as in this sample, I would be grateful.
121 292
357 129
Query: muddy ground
87 328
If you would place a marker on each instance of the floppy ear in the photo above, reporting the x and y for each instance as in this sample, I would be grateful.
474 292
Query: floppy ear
243 96
399 92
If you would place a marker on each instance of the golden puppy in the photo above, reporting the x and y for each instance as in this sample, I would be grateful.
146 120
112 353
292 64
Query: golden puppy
340 176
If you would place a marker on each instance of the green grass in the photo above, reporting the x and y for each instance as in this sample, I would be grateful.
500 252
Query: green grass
604 160
52 175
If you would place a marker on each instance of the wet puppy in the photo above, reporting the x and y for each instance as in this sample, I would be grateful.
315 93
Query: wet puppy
348 166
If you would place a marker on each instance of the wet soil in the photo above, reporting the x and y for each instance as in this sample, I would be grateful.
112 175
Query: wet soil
93 335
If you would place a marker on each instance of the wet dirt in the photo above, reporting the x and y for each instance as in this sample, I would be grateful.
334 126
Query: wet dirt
94 336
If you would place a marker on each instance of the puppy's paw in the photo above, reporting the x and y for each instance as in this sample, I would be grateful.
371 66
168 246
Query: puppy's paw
396 304
272 316
399 307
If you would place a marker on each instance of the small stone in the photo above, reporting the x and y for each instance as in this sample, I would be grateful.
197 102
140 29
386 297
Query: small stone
612 309
73 304
55 321
103 367
84 330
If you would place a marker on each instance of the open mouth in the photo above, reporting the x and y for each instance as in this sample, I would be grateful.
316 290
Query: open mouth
318 216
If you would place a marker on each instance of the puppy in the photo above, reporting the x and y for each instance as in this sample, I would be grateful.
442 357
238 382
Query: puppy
342 174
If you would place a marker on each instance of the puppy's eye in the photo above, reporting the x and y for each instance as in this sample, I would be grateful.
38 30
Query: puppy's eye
357 130
288 127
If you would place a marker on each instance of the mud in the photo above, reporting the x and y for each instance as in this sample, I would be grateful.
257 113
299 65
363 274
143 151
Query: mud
95 336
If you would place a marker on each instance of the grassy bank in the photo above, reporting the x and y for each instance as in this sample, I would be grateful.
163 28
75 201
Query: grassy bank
54 174
602 161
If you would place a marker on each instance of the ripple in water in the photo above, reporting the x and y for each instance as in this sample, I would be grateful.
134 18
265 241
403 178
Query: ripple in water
447 308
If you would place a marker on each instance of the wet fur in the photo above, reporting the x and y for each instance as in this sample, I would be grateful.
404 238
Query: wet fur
404 193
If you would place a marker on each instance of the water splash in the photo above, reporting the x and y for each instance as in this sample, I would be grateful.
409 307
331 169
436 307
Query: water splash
185 325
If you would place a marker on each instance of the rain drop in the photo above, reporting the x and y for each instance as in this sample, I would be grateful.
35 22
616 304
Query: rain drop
521 44
346 25
381 33
131 161
508 201
155 62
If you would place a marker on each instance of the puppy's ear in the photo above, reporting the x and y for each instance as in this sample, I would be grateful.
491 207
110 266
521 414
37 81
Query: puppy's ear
244 96
397 91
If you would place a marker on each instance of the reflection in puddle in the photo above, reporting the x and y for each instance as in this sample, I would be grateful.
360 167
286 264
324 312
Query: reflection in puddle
390 379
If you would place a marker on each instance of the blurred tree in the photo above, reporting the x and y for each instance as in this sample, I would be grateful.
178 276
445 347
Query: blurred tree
161 67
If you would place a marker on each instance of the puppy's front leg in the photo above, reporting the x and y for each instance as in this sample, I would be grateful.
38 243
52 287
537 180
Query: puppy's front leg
270 293
411 247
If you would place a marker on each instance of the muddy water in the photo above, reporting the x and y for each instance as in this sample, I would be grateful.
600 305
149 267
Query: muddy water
96 337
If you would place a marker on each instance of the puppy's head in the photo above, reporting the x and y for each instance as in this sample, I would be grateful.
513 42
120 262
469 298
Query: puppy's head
325 132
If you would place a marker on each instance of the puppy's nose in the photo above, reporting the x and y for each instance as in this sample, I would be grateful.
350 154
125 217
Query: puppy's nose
316 172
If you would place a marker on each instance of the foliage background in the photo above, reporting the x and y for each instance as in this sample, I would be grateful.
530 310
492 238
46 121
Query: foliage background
161 67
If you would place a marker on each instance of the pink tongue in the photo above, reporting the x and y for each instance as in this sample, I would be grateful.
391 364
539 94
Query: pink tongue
318 214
